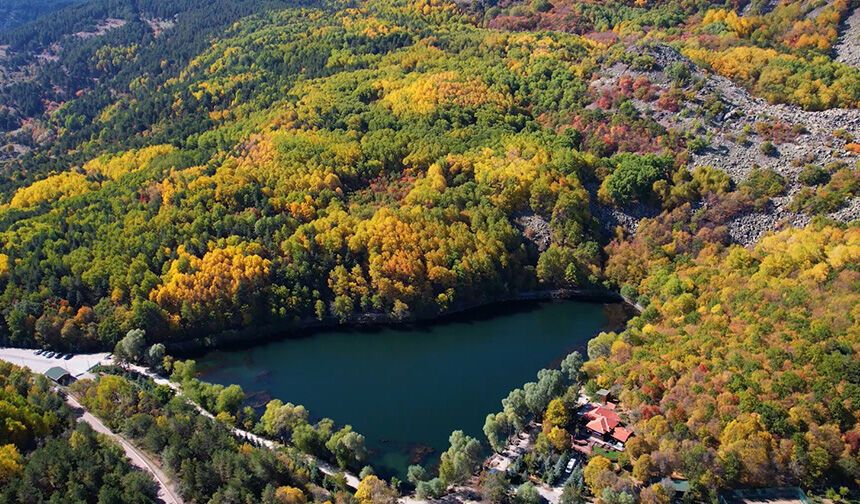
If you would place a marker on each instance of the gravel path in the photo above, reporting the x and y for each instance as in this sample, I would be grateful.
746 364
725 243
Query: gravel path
351 479
79 366
139 459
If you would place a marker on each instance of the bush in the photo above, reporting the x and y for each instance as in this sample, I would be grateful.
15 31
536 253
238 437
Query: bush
432 489
812 175
541 5
698 144
844 185
528 494
679 72
764 183
643 63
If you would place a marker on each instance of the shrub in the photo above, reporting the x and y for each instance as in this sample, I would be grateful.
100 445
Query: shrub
768 148
812 175
541 6
764 183
679 72
844 185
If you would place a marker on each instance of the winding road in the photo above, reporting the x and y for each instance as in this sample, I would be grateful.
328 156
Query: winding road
79 366
139 459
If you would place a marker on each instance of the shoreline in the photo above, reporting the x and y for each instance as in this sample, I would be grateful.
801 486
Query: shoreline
250 336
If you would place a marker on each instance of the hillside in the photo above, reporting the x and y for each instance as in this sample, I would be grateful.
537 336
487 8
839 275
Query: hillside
276 176
191 168
14 13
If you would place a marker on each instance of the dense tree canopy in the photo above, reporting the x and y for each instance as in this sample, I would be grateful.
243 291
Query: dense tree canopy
199 169
46 456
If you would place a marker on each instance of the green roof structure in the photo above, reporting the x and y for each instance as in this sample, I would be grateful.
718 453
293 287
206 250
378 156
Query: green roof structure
57 374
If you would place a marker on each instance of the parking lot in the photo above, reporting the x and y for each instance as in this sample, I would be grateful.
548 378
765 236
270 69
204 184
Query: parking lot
39 361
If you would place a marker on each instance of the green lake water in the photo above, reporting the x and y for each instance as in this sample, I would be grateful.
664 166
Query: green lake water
407 388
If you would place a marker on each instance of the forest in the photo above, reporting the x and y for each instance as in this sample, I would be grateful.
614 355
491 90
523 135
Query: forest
46 456
309 163
740 371
14 13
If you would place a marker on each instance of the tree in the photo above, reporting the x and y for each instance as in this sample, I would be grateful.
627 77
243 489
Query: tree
643 469
416 474
497 428
131 347
155 357
595 473
10 462
572 493
372 490
515 408
290 495
230 400
528 494
348 447
571 366
634 177
538 394
494 488
184 371
308 439
280 419
559 438
746 441
556 415
432 489
461 459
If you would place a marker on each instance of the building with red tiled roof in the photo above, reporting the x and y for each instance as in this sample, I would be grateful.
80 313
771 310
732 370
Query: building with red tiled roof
621 434
604 422
601 425
608 413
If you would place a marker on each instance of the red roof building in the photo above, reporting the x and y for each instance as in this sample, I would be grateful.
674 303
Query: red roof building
601 425
603 412
621 434
604 421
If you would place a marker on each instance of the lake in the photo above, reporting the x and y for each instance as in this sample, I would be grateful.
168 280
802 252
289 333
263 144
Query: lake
407 388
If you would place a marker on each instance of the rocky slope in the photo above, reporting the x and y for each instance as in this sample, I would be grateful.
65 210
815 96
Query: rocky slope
847 50
736 135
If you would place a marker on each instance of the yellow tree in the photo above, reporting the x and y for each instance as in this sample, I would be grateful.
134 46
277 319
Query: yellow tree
290 495
10 462
373 490
595 473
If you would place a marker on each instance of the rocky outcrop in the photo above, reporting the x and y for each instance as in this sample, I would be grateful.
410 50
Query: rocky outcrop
535 229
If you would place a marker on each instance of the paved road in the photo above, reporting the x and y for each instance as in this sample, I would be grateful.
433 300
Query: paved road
165 489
